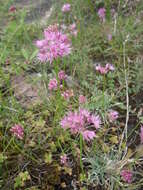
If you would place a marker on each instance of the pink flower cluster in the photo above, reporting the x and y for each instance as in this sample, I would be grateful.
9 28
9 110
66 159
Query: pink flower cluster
113 115
64 159
54 45
141 134
66 7
82 99
18 131
104 70
101 14
62 75
67 94
53 83
12 9
79 121
127 175
73 29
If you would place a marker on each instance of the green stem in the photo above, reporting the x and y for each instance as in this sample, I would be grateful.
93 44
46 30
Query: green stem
104 83
81 149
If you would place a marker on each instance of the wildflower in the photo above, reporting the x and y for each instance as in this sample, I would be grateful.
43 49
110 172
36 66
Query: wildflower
95 119
55 44
79 122
73 29
82 99
127 175
66 8
141 134
12 9
113 115
18 131
63 159
109 37
67 94
104 70
109 67
88 135
52 84
62 75
101 14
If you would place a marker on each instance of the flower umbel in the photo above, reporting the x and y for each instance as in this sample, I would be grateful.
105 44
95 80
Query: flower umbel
56 44
53 84
113 115
82 99
66 7
101 14
127 175
18 131
63 159
79 122
104 70
62 75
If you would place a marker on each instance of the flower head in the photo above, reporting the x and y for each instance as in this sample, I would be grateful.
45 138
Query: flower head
109 37
95 119
62 75
18 131
67 94
73 29
52 84
79 122
63 159
101 14
54 45
113 115
66 7
127 175
12 9
88 135
104 69
141 134
82 99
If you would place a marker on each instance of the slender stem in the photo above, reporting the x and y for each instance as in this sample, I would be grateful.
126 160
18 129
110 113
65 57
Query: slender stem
81 148
124 134
104 83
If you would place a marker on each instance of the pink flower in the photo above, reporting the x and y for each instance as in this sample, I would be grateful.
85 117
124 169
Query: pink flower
55 44
12 9
67 94
127 175
73 29
18 131
82 99
141 134
79 122
66 8
63 159
109 37
52 84
62 75
95 119
109 67
104 70
101 14
113 115
88 135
